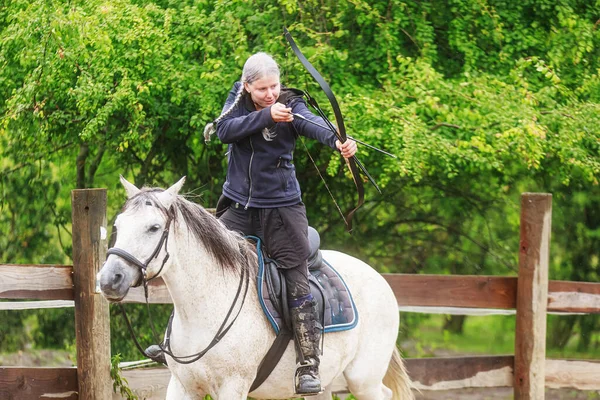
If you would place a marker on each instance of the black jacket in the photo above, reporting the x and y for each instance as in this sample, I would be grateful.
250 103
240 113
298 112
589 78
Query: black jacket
261 173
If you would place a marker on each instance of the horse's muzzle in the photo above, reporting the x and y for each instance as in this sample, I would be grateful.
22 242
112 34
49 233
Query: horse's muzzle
115 280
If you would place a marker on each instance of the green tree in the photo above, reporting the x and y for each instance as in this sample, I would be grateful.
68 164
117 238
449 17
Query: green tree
480 99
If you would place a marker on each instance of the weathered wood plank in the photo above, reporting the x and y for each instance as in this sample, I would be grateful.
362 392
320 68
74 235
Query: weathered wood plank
92 325
35 305
576 374
157 293
479 312
469 291
147 383
574 297
444 373
532 296
38 383
454 290
42 282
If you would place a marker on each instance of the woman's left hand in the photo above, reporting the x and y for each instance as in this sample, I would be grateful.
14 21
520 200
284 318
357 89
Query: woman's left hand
348 148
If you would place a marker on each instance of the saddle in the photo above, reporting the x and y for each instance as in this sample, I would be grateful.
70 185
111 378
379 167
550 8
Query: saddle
335 306
334 301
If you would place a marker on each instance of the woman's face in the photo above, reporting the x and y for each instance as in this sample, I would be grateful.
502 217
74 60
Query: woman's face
264 91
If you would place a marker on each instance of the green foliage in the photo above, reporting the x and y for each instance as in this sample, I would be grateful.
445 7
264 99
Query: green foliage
120 338
15 332
43 329
481 100
120 383
55 328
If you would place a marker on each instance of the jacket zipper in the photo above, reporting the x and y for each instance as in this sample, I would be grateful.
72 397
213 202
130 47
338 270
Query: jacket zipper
250 174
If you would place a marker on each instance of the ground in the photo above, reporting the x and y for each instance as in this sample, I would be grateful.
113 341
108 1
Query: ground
504 394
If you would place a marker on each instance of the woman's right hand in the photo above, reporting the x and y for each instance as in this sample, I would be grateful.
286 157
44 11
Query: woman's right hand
281 113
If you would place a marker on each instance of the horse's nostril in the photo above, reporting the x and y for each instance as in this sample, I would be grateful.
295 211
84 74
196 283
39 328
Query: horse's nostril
118 279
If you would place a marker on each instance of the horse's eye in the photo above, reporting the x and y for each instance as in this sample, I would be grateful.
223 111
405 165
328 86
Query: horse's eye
154 228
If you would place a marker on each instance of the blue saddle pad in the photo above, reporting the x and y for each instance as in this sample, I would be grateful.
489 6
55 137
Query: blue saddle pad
340 312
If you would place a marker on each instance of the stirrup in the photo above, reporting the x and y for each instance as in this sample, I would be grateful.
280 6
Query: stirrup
156 354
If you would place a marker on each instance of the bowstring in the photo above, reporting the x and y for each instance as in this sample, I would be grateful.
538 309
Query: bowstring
323 179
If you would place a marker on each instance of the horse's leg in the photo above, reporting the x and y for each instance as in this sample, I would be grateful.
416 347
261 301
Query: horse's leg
232 390
176 391
376 391
365 381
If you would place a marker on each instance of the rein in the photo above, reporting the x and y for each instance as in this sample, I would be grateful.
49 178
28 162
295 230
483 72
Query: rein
143 266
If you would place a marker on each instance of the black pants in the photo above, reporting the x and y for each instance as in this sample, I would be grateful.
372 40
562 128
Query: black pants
284 232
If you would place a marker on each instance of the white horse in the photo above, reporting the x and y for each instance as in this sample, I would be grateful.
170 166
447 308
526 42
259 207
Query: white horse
202 272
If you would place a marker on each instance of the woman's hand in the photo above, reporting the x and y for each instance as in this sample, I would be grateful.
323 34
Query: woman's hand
281 113
348 148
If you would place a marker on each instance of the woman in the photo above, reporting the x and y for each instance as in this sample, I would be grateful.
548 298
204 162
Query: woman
261 195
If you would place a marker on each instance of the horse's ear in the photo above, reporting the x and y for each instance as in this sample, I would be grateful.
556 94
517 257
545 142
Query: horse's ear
167 197
129 187
174 190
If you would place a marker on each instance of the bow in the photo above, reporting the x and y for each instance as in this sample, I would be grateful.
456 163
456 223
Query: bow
353 163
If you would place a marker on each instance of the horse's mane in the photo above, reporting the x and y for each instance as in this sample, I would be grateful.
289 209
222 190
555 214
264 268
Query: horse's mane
230 250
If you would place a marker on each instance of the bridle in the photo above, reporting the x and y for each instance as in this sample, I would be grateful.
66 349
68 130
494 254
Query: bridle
143 266
143 280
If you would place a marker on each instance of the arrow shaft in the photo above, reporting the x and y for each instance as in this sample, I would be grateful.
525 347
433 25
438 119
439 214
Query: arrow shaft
349 137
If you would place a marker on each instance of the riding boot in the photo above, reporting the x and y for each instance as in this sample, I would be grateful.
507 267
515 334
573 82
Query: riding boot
307 332
155 353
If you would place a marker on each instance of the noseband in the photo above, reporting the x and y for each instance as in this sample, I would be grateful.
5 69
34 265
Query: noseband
143 266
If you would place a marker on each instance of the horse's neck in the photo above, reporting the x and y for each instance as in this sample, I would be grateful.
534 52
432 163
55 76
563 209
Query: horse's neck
199 288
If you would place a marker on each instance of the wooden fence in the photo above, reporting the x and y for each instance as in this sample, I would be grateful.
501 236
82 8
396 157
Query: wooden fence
531 295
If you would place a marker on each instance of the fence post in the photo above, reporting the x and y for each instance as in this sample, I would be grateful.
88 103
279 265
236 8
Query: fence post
532 296
92 324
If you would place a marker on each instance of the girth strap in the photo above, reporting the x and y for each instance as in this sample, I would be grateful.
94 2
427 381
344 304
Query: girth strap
271 359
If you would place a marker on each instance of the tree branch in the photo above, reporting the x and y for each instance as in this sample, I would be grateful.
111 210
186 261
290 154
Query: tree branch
433 128
36 159
95 164
84 151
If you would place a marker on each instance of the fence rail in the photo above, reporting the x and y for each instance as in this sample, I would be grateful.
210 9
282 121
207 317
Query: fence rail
60 285
50 282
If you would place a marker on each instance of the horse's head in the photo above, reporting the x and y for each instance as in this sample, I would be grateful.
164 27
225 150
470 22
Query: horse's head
140 250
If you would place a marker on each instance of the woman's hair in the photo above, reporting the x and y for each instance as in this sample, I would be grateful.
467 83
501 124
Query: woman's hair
257 66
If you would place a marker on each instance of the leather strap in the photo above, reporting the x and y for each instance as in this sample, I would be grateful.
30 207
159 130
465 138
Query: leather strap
271 359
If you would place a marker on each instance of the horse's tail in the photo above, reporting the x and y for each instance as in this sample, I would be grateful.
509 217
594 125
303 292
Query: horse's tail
397 379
